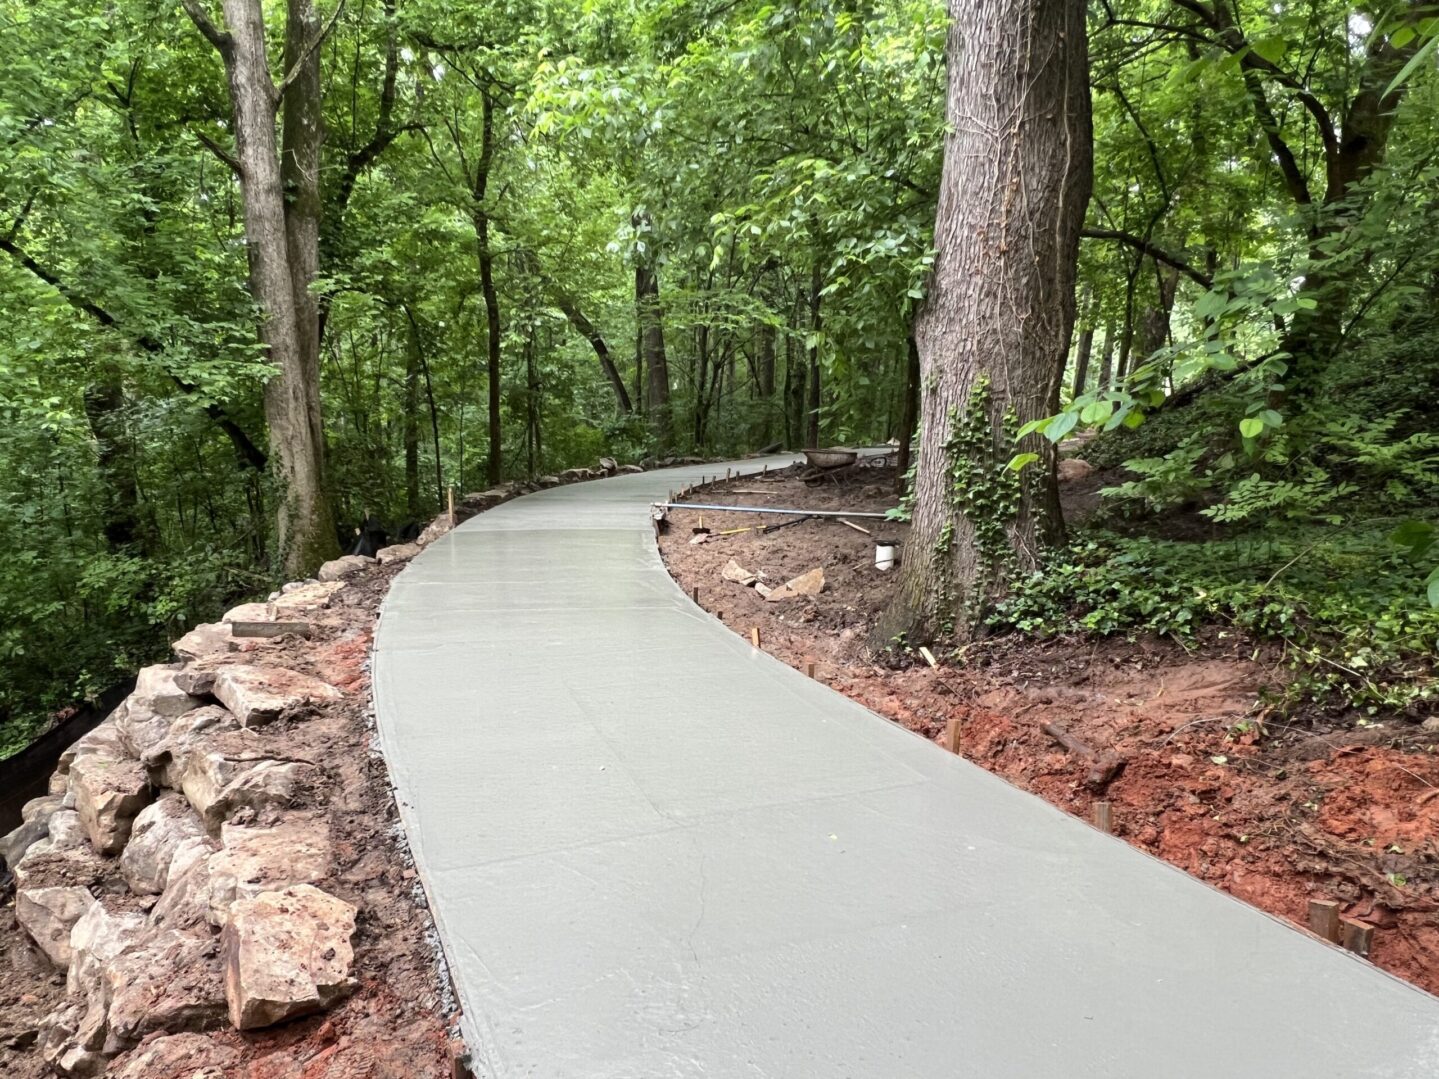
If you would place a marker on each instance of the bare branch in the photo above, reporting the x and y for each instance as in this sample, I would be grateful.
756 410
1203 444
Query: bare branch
215 36
229 159
1158 254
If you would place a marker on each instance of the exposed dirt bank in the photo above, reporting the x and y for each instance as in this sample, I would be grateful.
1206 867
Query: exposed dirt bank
1274 812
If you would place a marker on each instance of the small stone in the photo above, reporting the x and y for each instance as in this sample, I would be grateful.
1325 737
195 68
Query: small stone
806 584
733 571
1431 724
287 954
1072 469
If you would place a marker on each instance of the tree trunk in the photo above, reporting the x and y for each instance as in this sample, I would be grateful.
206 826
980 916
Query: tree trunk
121 520
815 323
411 424
1086 345
288 326
909 416
590 332
994 331
652 352
764 346
1106 359
487 287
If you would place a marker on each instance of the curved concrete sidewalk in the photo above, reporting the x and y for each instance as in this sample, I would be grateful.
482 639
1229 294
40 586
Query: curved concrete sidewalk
654 852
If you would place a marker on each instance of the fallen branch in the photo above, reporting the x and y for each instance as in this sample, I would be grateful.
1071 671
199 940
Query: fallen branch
1105 764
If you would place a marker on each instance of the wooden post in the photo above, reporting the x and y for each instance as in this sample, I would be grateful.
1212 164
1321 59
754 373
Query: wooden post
1356 936
928 656
726 475
754 636
951 734
1104 817
809 668
695 595
1324 919
451 492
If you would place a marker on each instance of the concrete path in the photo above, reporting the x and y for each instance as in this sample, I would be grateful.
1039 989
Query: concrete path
653 852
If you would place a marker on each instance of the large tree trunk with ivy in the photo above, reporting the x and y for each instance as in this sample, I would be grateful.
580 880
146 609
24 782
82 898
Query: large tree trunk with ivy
282 243
994 330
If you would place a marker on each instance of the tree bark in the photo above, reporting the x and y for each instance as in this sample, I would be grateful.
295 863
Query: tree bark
590 332
815 324
994 331
909 415
411 422
283 258
121 519
1085 346
479 186
652 350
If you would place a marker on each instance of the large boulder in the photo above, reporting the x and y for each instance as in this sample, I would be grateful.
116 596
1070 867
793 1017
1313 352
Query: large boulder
399 552
435 529
256 695
97 938
104 738
609 466
168 981
158 831
48 915
146 715
185 903
338 569
109 793
166 759
179 1056
630 470
287 954
206 639
309 596
250 612
254 860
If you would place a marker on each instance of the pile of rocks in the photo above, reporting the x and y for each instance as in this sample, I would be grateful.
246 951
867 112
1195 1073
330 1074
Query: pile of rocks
174 870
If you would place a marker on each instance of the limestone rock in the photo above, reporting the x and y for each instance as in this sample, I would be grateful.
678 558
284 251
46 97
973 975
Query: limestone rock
574 475
109 792
166 760
337 569
250 612
435 529
48 915
103 739
629 470
158 830
310 596
483 500
609 465
806 584
1072 469
399 552
185 903
206 639
67 831
287 954
733 571
549 481
262 785
62 1034
98 937
15 844
167 981
255 860
145 716
257 695
180 1056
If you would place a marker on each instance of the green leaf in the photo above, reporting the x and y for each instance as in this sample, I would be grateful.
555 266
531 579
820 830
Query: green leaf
1412 66
1251 427
1062 425
1019 460
1433 589
1270 48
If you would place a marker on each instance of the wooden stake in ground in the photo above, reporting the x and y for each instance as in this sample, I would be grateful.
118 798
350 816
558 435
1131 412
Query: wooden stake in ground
1324 919
809 668
754 636
1104 817
951 734
695 594
1356 936
450 493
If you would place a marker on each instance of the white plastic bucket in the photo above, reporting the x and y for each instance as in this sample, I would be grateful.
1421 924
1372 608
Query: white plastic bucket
886 554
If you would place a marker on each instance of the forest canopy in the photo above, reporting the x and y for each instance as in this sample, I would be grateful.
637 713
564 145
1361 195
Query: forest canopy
270 270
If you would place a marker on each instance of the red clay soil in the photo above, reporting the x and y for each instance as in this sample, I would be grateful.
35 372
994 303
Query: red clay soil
1274 811
397 1025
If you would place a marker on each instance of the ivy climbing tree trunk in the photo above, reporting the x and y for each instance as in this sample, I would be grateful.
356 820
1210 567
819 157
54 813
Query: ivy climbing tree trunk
994 330
282 239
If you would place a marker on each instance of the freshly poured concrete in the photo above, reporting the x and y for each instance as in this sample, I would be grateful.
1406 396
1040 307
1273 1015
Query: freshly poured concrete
654 852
